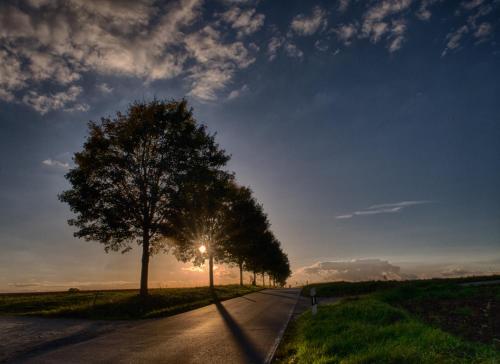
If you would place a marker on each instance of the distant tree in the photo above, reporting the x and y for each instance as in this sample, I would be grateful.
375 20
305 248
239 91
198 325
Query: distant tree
246 223
130 169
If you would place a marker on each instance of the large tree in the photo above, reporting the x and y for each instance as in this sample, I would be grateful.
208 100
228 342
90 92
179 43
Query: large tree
130 169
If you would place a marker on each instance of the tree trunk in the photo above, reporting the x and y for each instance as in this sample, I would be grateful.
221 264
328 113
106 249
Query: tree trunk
241 274
211 269
263 281
254 283
145 265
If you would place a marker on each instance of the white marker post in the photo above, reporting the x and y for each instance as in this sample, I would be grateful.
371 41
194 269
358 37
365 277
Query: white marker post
314 301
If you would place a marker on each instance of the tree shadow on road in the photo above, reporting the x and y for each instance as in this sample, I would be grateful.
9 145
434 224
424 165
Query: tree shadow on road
245 344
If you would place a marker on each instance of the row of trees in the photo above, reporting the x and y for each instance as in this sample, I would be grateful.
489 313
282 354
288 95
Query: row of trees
155 177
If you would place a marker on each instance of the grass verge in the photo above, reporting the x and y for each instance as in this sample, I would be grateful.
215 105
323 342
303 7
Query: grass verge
433 321
117 305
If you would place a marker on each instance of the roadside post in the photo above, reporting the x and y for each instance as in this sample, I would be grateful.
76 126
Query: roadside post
314 301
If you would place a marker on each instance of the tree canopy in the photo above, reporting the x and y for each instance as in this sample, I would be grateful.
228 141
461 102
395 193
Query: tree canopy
129 170
155 177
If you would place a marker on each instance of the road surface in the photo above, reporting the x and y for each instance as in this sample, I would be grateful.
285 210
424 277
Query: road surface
241 330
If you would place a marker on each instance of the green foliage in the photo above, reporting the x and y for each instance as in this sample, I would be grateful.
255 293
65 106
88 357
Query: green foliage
120 304
366 330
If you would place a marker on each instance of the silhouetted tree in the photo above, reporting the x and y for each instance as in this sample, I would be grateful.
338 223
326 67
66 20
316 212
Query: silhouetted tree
128 172
246 223
199 218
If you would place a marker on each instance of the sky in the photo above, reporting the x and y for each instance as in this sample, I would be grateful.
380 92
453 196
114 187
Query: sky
369 130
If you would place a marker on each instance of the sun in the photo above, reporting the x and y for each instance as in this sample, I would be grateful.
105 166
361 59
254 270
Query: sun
202 249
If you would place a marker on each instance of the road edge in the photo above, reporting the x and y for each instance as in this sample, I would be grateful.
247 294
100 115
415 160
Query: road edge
277 341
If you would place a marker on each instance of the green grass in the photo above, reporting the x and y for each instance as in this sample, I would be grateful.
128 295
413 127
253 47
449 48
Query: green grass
427 321
119 304
367 330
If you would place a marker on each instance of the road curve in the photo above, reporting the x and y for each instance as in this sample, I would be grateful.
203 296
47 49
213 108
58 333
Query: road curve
241 330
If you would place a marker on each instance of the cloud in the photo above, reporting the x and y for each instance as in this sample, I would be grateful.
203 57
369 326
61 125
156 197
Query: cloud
376 26
351 270
321 45
346 32
379 269
245 21
471 4
105 88
483 30
56 43
237 92
292 50
273 46
454 39
383 209
308 25
277 42
474 10
44 103
396 37
216 62
343 5
424 12
55 163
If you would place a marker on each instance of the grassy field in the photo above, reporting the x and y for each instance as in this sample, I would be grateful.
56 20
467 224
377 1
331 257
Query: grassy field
433 321
114 305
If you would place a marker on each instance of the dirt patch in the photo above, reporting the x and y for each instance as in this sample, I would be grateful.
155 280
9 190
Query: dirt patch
474 318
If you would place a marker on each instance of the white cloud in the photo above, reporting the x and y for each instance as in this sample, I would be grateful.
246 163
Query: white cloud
321 45
134 38
44 103
424 12
292 50
237 92
278 42
105 88
397 31
350 270
245 21
308 25
474 10
346 32
454 38
483 30
216 62
471 4
376 25
273 46
55 163
343 5
383 208
379 269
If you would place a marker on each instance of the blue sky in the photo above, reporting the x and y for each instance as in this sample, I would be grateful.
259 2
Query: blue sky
366 128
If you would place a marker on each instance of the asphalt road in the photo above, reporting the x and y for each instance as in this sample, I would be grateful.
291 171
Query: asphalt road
241 330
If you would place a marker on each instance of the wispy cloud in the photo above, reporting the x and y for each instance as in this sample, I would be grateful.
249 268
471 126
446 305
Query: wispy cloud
308 25
386 208
55 163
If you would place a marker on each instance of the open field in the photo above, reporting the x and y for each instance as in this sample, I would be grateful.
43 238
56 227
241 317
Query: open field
430 321
115 305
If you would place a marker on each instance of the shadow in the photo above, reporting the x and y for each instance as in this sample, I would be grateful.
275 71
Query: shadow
248 299
244 343
42 348
286 295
